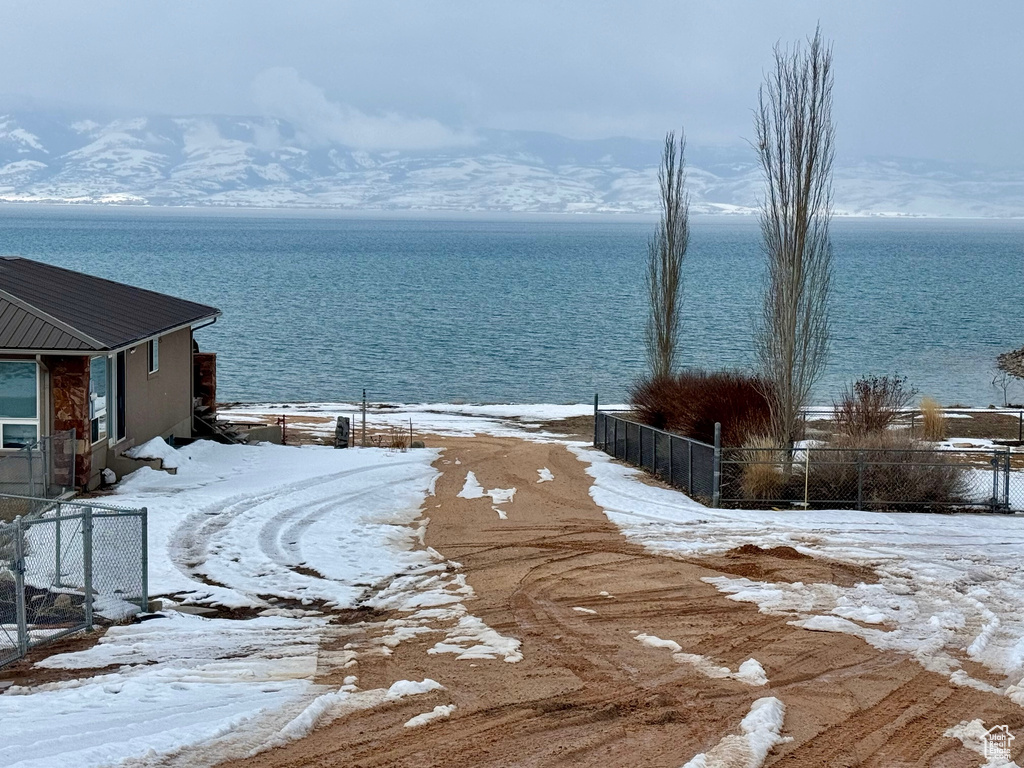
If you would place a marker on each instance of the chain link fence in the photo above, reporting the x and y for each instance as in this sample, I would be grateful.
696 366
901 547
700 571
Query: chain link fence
32 475
72 565
909 479
903 478
687 464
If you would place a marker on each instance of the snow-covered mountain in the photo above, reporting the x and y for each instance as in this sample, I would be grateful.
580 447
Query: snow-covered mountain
262 162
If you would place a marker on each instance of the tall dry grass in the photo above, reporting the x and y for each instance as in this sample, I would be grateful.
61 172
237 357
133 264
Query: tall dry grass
762 475
893 472
884 470
933 421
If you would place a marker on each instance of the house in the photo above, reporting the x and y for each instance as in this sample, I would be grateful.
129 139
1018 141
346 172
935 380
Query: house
115 363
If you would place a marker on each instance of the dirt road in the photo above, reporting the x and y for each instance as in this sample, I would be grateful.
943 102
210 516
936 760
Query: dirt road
560 578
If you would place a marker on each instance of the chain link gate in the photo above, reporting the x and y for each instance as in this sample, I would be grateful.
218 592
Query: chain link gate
64 569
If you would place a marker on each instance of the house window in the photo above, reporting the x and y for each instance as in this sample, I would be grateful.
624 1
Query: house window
19 403
154 355
99 387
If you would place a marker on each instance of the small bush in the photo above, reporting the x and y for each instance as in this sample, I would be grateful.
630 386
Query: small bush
762 475
871 405
689 403
398 440
933 420
893 473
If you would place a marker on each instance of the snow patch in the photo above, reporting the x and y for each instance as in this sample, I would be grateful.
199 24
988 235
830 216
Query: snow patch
545 475
155 450
412 688
761 730
471 638
471 489
440 711
750 671
656 642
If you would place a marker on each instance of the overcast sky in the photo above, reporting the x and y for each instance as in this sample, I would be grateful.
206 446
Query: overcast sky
937 79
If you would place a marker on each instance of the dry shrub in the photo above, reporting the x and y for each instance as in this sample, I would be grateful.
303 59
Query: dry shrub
689 403
398 440
895 473
871 404
933 420
762 475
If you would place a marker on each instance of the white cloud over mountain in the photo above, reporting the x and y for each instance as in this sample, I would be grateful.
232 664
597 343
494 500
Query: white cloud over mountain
280 92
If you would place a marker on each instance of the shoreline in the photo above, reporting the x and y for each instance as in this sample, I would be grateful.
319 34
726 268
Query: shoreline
440 214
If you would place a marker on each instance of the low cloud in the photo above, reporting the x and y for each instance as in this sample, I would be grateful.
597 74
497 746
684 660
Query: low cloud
281 92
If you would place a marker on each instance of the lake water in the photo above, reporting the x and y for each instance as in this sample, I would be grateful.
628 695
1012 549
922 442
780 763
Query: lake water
317 307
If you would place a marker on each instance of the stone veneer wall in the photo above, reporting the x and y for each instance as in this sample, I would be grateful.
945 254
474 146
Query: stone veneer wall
69 383
204 369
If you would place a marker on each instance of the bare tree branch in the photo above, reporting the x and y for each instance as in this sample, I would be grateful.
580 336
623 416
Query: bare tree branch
665 254
795 137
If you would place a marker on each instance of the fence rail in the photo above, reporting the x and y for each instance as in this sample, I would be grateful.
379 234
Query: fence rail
31 476
69 566
924 479
687 464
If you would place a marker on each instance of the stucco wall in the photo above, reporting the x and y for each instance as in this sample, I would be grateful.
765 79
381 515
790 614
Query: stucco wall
159 404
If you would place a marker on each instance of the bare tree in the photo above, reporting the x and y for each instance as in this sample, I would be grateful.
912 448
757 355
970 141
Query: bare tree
665 254
795 136
1003 381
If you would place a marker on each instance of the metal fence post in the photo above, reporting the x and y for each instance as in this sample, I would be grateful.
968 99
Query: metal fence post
145 560
1006 480
57 535
995 480
615 439
31 479
595 419
19 586
364 418
716 476
87 565
47 450
860 480
654 452
671 471
689 467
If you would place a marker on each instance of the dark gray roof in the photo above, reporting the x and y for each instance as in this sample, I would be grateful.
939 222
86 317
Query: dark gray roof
43 308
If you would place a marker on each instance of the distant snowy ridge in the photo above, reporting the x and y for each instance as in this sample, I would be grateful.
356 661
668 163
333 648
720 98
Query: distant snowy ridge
254 162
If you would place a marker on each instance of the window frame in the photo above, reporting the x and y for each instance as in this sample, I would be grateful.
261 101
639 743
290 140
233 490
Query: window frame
100 437
153 355
34 421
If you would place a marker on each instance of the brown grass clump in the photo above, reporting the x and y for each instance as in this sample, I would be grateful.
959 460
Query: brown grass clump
895 472
762 476
398 440
933 420
689 403
871 404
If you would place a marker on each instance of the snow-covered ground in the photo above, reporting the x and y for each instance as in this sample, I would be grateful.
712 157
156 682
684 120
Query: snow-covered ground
291 533
427 418
950 587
